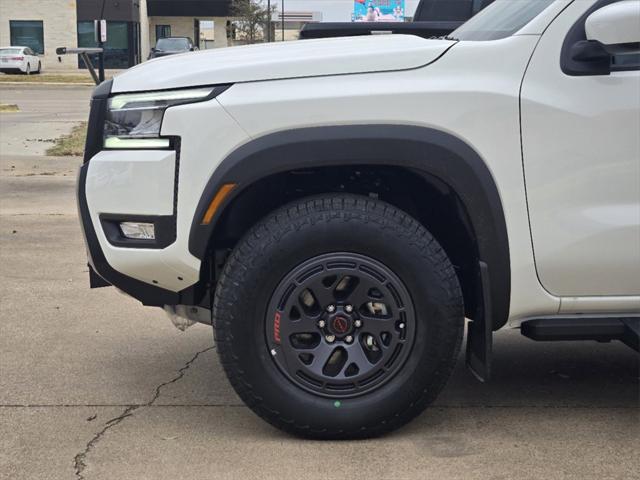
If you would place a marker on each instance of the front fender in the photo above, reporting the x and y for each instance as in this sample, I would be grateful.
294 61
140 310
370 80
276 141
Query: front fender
426 151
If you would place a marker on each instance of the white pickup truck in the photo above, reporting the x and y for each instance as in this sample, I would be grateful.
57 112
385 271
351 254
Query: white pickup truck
336 208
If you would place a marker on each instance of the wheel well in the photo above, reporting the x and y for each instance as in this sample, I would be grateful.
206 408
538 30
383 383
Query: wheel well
431 201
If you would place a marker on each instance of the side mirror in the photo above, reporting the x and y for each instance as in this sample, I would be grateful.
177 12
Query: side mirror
593 53
616 26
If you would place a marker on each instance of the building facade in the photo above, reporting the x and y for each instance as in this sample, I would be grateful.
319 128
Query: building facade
134 26
42 25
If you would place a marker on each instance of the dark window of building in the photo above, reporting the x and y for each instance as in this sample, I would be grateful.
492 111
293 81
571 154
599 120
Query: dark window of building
27 33
117 53
163 31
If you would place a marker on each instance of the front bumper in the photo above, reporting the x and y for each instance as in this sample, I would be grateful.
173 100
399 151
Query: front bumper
159 186
101 272
114 182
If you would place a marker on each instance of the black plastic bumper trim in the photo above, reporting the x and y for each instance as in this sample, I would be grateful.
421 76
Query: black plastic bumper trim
95 127
95 280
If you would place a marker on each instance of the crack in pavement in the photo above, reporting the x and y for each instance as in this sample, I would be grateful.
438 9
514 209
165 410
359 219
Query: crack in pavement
80 460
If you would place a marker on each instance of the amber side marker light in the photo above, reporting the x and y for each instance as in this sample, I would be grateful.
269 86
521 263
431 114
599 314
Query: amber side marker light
223 193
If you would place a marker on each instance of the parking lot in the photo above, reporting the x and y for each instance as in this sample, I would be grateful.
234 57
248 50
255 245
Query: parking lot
95 386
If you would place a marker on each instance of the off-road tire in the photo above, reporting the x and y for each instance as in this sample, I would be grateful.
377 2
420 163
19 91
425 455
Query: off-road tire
321 225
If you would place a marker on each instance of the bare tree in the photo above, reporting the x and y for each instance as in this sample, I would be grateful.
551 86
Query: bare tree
251 20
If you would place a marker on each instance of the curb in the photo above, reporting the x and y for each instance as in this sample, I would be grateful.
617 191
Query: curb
50 83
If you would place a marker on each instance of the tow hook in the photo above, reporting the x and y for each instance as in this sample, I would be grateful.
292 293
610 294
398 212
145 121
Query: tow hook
183 316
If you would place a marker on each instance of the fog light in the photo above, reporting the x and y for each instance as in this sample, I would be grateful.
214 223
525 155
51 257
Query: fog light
138 230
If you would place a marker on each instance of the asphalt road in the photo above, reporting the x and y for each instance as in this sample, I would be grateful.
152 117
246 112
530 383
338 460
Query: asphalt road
95 386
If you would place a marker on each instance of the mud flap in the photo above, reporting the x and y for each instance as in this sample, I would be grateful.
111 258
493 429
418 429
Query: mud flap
631 337
95 280
480 332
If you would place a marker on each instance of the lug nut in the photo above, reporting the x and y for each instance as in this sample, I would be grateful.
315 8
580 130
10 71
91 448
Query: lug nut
348 308
357 323
273 352
331 308
321 323
401 325
348 339
330 338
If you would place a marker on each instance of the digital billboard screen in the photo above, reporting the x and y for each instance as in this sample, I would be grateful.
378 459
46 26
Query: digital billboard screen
378 11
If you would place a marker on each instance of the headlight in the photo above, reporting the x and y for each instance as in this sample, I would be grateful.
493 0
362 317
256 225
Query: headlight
134 119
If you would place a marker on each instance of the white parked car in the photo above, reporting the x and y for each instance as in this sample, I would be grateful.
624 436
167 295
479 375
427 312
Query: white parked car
19 59
337 207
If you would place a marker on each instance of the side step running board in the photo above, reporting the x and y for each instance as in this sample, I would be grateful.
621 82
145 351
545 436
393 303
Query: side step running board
600 329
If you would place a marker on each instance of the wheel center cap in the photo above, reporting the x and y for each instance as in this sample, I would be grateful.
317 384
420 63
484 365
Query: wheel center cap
340 325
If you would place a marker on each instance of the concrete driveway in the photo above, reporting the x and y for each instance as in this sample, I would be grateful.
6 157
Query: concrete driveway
95 386
46 112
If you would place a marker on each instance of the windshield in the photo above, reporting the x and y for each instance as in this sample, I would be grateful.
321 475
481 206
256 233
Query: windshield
10 51
443 10
169 44
500 19
448 10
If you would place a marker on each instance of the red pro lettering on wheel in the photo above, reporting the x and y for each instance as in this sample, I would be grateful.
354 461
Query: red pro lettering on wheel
276 327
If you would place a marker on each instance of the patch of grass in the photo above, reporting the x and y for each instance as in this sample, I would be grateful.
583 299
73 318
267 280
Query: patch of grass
6 108
70 145
48 78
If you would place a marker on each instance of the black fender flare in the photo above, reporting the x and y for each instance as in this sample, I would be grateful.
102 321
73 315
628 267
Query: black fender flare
423 150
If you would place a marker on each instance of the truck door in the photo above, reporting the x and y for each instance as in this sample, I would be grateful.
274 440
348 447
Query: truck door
581 157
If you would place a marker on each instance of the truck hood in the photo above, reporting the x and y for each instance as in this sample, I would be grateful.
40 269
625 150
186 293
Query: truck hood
304 58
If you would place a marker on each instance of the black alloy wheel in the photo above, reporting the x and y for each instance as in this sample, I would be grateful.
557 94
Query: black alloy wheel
340 325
